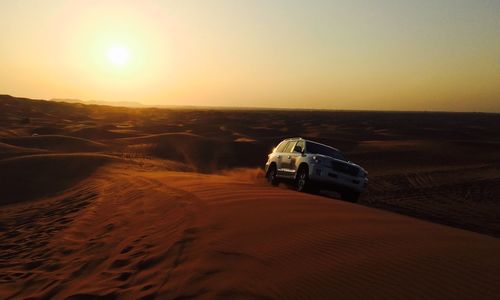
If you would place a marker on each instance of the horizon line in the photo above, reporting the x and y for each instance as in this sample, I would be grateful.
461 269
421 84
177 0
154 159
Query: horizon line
139 105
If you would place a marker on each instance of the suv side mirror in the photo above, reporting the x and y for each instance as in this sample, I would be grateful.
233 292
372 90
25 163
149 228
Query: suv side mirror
298 149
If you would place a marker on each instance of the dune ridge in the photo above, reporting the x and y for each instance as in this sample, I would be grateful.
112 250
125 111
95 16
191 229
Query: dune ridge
59 143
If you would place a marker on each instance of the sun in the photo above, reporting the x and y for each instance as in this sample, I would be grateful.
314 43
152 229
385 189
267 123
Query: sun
118 55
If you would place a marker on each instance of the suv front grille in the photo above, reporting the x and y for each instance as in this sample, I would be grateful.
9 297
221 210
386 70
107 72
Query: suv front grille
345 168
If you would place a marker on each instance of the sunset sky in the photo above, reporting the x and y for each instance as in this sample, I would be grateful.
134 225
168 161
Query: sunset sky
334 54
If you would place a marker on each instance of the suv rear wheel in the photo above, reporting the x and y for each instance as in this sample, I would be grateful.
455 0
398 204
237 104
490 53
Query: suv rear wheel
271 176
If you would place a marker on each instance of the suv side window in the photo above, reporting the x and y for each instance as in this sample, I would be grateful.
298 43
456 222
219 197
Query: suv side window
289 147
281 147
299 147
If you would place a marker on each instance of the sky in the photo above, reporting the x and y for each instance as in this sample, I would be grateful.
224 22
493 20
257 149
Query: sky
420 55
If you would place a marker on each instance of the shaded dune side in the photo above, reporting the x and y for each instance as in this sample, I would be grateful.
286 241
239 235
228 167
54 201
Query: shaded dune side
7 151
59 143
30 177
455 183
202 153
397 156
101 132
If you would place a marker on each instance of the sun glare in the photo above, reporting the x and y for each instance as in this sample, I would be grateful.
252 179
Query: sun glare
118 55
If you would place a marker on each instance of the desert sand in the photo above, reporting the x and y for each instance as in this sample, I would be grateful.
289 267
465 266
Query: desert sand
101 202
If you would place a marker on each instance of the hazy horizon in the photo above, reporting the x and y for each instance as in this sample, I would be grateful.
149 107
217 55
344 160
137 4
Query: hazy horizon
348 55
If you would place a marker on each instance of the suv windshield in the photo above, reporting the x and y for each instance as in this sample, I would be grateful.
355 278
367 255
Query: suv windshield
315 148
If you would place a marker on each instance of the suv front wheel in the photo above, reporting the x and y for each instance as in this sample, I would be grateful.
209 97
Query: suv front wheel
302 181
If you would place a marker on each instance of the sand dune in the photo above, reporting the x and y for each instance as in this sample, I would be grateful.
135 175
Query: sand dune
7 151
104 203
102 133
34 176
128 233
59 143
203 154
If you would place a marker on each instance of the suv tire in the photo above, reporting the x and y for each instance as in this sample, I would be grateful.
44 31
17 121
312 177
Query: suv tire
271 175
302 182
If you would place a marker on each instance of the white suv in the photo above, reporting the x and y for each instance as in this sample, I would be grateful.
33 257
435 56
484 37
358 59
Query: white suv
313 166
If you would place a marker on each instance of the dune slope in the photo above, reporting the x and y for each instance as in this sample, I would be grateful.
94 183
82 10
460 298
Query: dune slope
127 233
201 153
7 151
34 176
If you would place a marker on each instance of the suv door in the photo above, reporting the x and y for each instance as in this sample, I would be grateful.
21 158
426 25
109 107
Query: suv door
295 156
279 156
286 160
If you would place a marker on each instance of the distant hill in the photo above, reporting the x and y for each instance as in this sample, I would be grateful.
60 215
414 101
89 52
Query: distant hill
99 102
